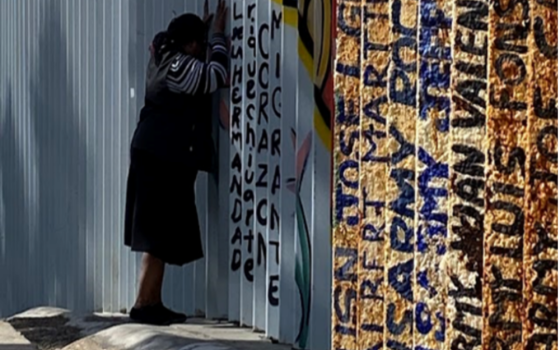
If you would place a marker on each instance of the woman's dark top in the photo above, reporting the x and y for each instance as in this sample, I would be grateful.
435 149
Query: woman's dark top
175 123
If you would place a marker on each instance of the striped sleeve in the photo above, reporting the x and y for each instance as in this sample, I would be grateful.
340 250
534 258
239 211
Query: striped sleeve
192 76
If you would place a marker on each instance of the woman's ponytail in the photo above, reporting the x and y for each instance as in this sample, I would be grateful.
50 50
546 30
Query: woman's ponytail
160 44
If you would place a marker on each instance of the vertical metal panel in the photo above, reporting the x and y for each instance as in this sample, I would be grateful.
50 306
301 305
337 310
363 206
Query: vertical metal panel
274 162
236 153
72 77
288 289
262 205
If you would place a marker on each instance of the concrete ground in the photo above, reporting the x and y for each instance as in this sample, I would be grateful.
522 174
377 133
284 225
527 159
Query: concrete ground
58 329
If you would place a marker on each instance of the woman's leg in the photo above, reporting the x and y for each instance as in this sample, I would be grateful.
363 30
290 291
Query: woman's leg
149 307
151 281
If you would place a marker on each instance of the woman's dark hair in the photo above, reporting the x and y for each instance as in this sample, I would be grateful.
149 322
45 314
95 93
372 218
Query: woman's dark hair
182 30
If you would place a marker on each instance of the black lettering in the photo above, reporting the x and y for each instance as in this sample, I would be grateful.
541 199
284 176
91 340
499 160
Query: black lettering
235 186
276 141
276 22
236 122
550 155
476 119
516 227
250 135
503 101
276 246
262 181
236 163
249 171
236 260
273 289
276 180
470 90
472 164
511 190
476 18
237 13
463 292
263 103
544 112
236 213
251 89
471 190
249 238
237 51
546 339
261 250
248 269
237 236
470 233
544 241
516 157
542 267
262 208
519 73
263 142
543 316
503 291
277 101
274 217
237 79
458 322
264 29
461 343
549 51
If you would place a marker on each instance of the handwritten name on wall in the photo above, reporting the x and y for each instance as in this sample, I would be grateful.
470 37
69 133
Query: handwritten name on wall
374 165
540 248
254 102
346 171
432 173
401 196
508 85
467 188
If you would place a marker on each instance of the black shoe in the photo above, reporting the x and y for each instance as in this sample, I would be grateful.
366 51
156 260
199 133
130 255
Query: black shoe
175 317
151 314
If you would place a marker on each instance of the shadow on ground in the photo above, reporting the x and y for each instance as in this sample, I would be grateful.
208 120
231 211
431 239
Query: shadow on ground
49 333
117 332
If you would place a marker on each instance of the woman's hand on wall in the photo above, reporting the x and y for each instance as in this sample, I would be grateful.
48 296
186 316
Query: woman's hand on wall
207 17
221 17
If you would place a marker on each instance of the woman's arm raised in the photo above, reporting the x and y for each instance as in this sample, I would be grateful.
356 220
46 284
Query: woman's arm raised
192 76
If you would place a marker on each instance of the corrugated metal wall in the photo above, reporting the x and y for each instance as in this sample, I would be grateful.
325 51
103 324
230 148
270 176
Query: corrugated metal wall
71 86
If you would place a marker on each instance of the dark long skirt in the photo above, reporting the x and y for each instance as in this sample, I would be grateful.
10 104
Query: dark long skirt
161 216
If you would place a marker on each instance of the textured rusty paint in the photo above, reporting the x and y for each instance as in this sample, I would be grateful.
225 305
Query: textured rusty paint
466 207
432 142
374 163
506 142
541 192
401 121
346 181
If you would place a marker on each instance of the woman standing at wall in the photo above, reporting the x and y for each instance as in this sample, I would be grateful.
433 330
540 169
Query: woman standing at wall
172 142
